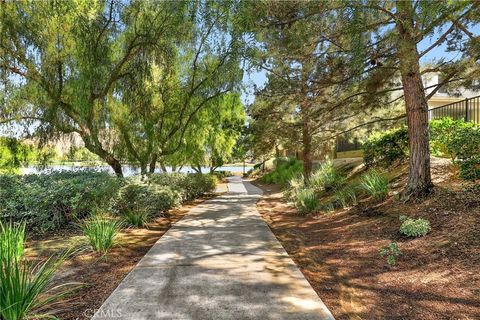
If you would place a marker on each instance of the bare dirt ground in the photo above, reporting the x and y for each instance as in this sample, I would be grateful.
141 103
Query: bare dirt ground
436 277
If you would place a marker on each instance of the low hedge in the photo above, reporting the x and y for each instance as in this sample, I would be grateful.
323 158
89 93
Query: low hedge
55 199
50 200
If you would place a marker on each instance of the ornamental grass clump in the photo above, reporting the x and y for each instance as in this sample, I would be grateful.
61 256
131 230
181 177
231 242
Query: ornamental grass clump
375 185
26 290
101 232
136 218
306 201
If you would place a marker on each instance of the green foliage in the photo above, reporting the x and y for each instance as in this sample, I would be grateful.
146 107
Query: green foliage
326 178
414 227
375 185
470 169
50 200
25 289
101 232
346 196
190 186
391 252
442 132
465 146
12 241
14 154
138 219
306 200
295 185
285 170
222 174
138 195
385 148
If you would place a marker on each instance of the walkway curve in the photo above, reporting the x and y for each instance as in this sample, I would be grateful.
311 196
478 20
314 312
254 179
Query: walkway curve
221 261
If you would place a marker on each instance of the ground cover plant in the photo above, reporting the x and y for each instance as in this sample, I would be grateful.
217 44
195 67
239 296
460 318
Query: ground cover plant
411 227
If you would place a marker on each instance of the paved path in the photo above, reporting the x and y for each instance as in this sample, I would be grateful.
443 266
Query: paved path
221 261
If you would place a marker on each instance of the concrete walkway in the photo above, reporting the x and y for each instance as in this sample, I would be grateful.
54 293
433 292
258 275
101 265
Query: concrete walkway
221 261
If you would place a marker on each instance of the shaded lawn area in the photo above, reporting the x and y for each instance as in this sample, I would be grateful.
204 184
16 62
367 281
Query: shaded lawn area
437 277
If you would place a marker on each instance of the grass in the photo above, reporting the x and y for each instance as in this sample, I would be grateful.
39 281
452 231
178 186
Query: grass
101 232
375 185
306 201
26 290
12 241
326 177
136 218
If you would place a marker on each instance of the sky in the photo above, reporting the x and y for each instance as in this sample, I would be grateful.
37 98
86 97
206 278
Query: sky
259 78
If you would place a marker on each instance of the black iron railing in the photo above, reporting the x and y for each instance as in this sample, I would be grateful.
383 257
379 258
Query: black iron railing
467 109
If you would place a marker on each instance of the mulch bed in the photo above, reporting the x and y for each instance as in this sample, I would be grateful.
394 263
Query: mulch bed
437 277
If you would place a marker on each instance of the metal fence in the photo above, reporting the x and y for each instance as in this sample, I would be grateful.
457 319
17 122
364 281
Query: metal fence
467 109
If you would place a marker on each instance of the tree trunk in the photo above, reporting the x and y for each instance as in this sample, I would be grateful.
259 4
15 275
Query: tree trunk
162 166
153 163
115 164
419 182
143 168
307 151
93 145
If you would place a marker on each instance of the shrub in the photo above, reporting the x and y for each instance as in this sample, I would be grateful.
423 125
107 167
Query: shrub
442 132
470 169
465 146
326 178
101 232
306 201
25 289
190 186
285 170
51 200
375 185
391 252
346 196
414 227
139 195
222 174
295 185
386 148
138 219
12 241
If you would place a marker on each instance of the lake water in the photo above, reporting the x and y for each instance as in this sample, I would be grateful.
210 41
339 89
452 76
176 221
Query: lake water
128 170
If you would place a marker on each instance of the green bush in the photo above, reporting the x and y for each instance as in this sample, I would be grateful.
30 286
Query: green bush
414 227
326 178
190 186
465 148
138 219
442 132
306 201
470 169
375 185
139 195
51 200
285 170
101 232
386 148
391 252
25 289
